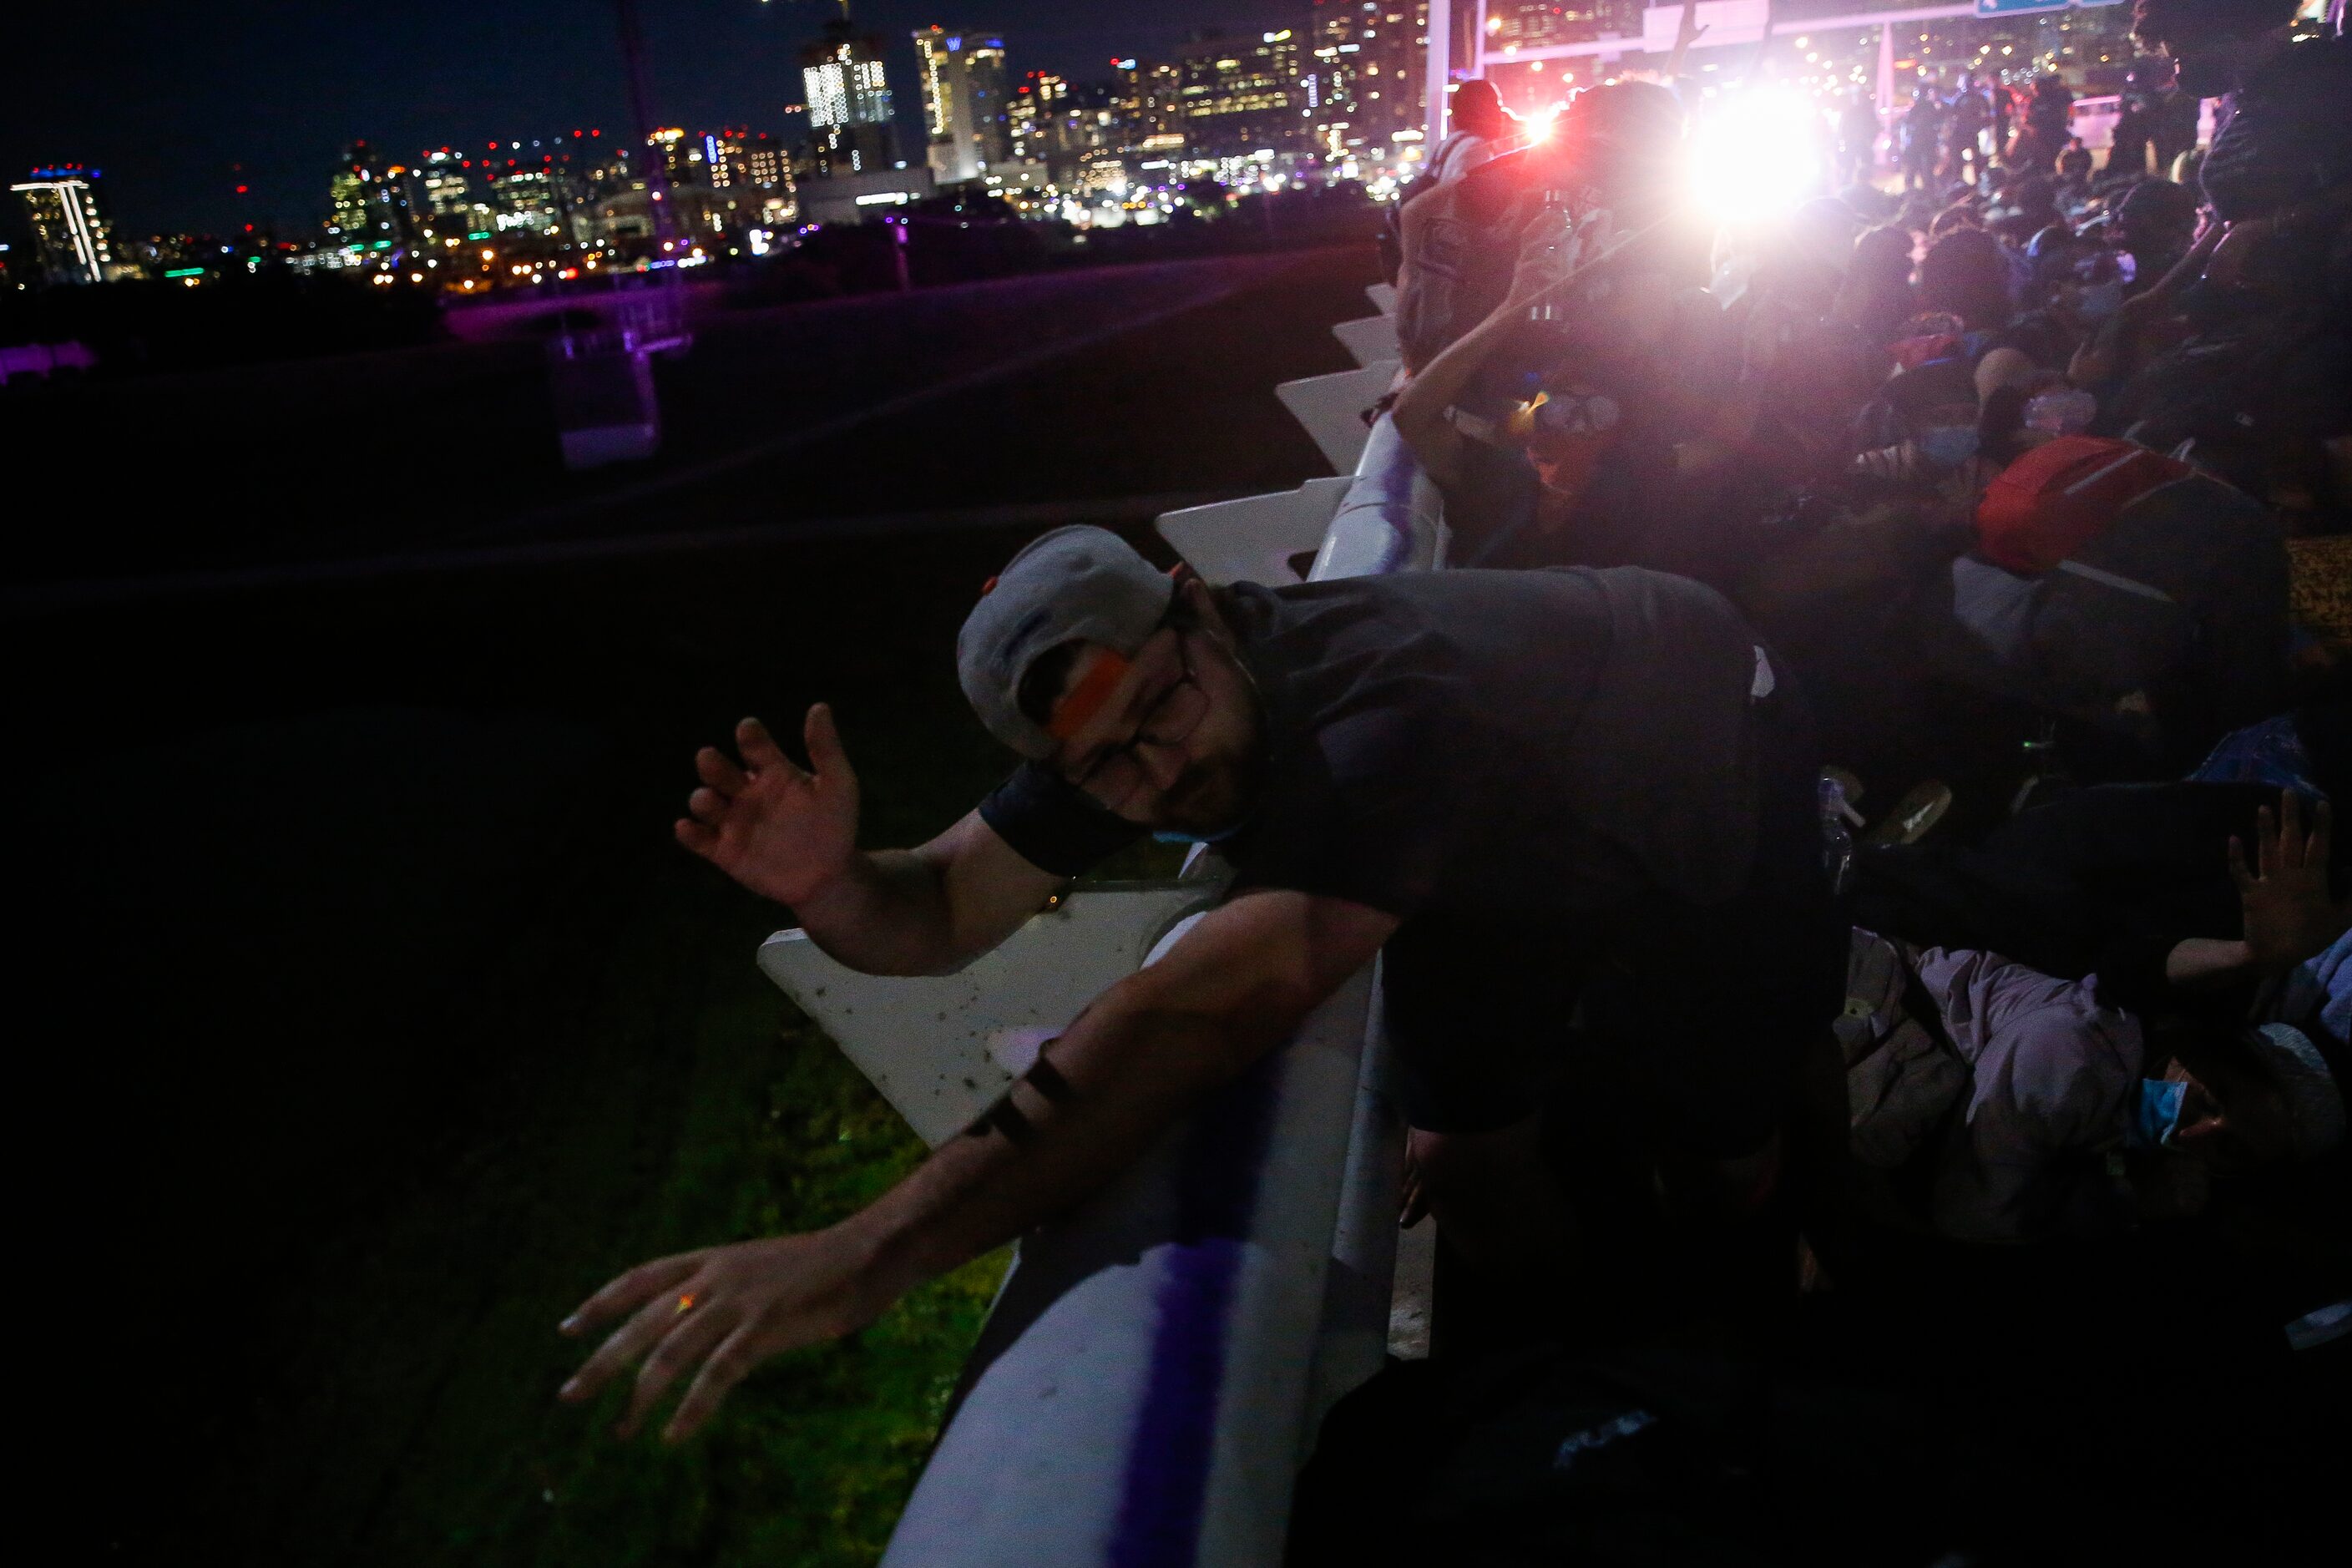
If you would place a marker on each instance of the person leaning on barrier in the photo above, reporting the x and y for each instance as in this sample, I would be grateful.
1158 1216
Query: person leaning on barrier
1507 782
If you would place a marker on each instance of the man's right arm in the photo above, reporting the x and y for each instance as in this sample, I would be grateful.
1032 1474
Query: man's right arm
929 910
790 834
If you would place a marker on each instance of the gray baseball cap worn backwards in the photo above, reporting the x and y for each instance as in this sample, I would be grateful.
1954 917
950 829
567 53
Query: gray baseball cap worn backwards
1074 584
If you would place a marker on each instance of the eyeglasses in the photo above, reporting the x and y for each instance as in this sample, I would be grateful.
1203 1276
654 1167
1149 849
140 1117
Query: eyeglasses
1173 705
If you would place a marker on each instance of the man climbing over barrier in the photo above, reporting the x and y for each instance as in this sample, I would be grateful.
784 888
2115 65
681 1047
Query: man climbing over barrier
1527 791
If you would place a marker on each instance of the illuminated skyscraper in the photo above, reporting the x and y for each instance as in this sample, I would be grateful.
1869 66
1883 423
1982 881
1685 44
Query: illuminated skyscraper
75 242
1244 95
964 101
368 218
1148 106
1516 24
529 201
681 155
766 163
753 171
848 100
448 191
1364 78
1030 121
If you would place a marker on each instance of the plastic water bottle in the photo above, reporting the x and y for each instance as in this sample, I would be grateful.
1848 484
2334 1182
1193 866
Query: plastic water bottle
1837 839
1556 245
2064 412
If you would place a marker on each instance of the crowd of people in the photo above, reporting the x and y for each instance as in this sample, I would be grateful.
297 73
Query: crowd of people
2025 429
1958 135
1979 504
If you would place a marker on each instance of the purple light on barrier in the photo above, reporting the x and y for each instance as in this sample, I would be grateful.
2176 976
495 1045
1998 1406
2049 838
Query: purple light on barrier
1167 1482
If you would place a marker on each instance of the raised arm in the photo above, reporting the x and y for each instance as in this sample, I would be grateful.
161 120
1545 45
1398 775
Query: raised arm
2114 348
2291 912
1422 409
790 834
1236 985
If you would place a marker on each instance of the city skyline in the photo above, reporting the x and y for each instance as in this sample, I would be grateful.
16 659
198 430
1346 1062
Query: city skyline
181 109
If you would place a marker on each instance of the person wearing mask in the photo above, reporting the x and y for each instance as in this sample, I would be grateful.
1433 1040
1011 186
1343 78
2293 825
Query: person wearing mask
1995 1101
2281 162
2255 388
2155 224
2025 1110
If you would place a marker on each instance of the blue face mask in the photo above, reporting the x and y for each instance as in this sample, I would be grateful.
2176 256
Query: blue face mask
2156 1111
1949 446
1166 837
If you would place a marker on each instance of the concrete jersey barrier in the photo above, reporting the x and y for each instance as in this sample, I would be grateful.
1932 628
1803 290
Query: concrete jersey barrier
1157 1362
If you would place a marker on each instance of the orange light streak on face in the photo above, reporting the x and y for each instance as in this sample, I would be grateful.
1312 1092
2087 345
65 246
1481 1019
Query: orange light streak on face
1085 699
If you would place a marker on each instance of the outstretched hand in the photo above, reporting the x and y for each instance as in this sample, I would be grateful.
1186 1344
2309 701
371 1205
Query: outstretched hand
781 830
2289 915
716 1314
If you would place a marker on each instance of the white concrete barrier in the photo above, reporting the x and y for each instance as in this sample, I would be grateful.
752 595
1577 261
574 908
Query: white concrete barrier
940 1048
1371 340
1270 539
1157 1363
1332 409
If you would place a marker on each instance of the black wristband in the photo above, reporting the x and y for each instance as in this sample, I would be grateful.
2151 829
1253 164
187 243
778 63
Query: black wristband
1003 1116
1047 1080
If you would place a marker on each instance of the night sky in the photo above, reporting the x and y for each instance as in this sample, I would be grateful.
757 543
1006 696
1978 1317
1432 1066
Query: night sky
166 98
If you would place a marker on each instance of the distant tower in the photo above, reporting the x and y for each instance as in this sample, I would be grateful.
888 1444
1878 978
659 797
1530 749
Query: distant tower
369 215
1366 77
964 101
70 232
1245 95
848 100
448 193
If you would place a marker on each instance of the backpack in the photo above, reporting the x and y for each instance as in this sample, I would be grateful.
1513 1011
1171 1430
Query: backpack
2058 496
1459 247
1902 1077
1392 235
2166 600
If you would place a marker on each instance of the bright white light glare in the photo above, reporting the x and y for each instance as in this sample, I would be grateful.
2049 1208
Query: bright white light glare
1756 152
1538 124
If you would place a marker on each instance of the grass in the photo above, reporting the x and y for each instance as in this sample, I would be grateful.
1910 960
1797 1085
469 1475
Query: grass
386 1023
